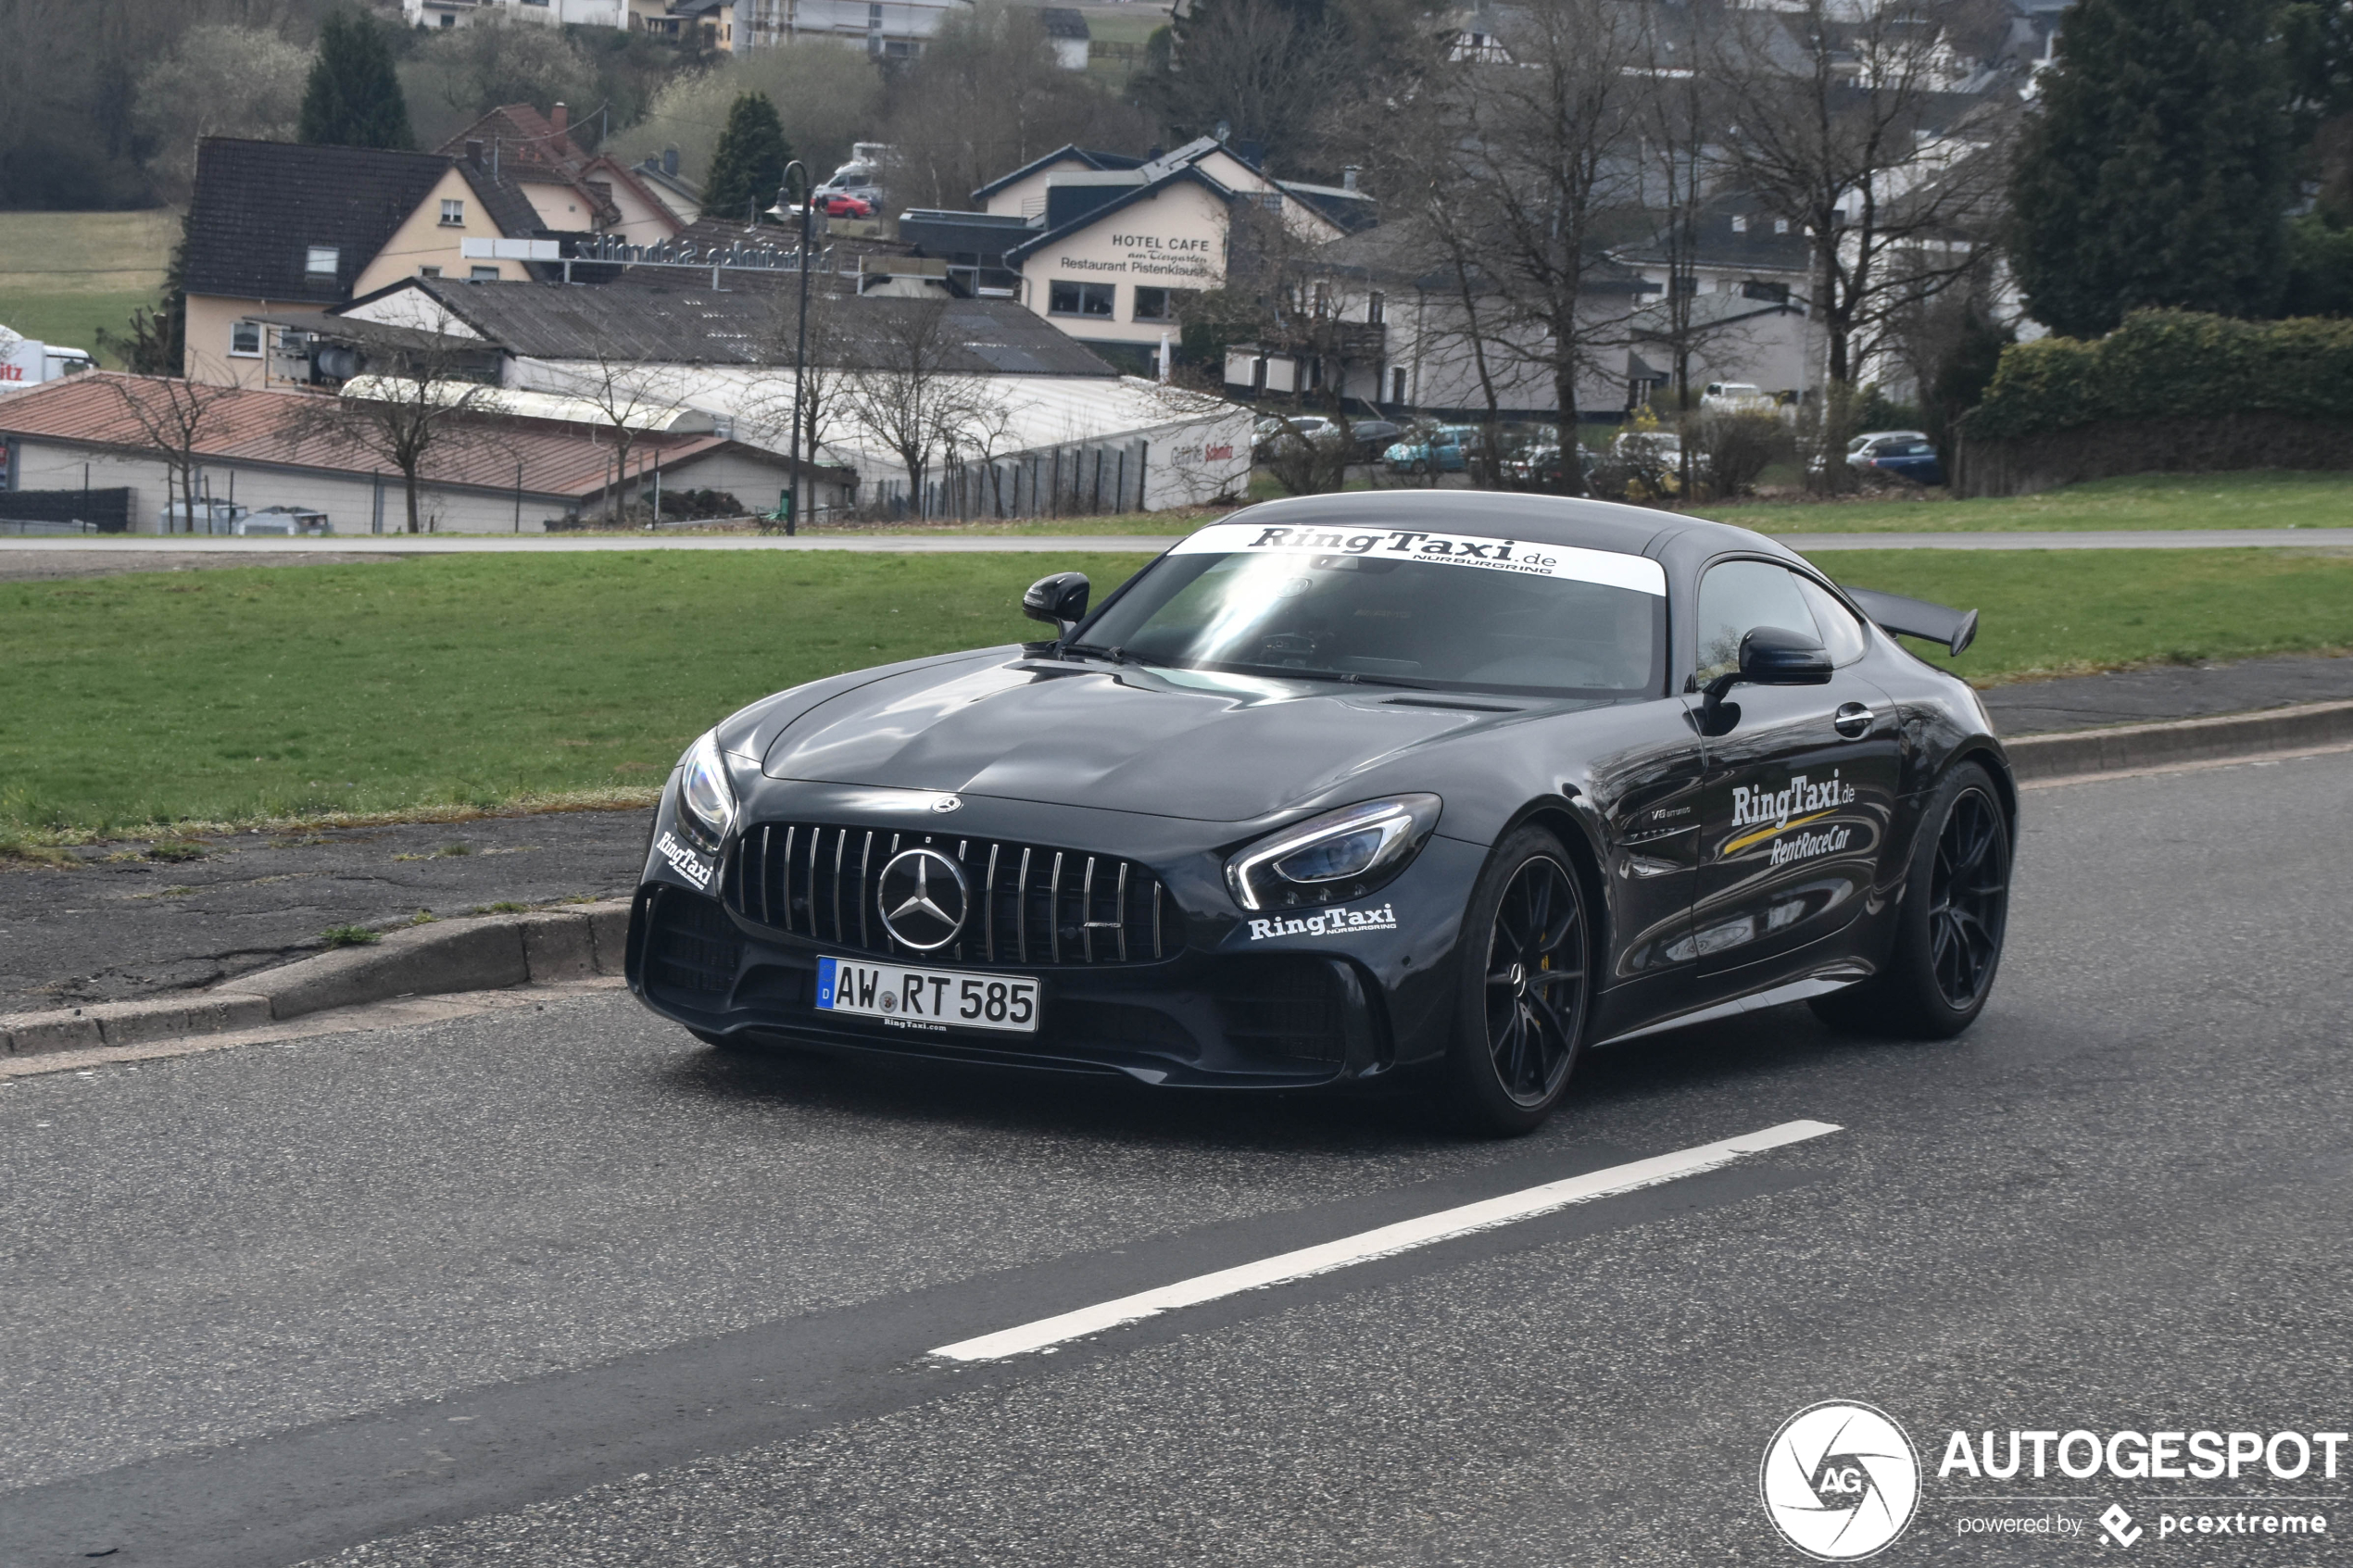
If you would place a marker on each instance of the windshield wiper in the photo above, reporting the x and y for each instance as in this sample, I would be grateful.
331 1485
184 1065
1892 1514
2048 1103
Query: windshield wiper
1117 655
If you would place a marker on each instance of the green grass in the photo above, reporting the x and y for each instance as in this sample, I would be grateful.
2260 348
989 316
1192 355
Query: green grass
441 683
72 320
2261 499
2047 613
63 275
448 684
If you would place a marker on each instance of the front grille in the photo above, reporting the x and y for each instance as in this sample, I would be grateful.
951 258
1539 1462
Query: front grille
691 948
1033 905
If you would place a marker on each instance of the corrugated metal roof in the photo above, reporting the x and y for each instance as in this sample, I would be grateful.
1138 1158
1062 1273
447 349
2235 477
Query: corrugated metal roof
750 321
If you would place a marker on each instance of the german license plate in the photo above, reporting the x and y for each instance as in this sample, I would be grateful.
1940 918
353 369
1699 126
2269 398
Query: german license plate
927 999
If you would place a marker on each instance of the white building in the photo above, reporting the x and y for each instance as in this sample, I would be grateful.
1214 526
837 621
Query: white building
892 30
463 13
1042 424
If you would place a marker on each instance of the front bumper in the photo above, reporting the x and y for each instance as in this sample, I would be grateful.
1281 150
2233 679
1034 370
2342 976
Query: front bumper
1287 1020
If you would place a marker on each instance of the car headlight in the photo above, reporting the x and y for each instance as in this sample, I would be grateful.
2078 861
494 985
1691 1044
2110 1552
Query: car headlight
706 798
1342 854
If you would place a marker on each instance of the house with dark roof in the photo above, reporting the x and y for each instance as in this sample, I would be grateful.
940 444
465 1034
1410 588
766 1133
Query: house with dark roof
276 226
571 192
1108 248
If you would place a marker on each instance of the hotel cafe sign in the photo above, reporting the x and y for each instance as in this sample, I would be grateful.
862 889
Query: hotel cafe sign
1148 255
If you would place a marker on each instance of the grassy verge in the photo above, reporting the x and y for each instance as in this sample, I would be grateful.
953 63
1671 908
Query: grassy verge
2266 499
447 685
2046 614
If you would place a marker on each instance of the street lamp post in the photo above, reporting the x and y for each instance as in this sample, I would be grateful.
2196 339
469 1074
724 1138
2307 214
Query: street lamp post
800 329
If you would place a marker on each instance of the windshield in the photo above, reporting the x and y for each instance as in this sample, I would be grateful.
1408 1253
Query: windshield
1401 607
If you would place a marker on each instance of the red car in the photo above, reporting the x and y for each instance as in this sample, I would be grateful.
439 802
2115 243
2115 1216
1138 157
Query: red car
842 204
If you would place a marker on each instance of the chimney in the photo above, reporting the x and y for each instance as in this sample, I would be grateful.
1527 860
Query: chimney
561 117
669 160
1348 177
473 151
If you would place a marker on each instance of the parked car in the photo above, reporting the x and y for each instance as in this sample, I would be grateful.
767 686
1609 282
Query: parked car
1373 437
287 521
1273 429
1915 460
1445 449
1864 447
1539 466
845 203
1736 397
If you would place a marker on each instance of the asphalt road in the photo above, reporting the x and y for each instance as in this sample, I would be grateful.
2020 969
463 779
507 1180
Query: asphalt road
575 1290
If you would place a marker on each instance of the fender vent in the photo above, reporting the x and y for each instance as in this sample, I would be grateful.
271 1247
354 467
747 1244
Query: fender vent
1032 905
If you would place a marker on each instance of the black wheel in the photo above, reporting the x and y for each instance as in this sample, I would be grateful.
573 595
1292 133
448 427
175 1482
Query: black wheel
1420 467
1527 978
1948 934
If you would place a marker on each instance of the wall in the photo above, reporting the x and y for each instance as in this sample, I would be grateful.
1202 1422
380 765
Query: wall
1175 238
206 356
348 499
1027 198
423 240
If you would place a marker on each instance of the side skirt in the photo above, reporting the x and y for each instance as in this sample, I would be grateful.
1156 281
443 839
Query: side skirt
1832 977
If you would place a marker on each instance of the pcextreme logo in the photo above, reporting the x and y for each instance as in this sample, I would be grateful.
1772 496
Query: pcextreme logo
1840 1481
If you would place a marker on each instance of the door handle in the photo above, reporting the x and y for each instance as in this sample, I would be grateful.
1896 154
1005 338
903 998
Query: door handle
1853 721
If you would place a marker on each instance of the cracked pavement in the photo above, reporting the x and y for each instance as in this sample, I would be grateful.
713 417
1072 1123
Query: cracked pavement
117 925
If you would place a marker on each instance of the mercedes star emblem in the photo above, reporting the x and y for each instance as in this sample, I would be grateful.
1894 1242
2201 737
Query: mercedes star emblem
923 898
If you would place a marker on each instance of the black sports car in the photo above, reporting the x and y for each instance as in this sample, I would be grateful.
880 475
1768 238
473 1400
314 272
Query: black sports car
1350 787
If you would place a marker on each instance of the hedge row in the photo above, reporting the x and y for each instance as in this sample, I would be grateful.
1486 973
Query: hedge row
2170 364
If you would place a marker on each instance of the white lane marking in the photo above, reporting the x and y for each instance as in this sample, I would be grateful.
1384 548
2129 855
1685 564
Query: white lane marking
1388 1240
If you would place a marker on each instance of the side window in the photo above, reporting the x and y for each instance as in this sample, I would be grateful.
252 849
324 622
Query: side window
1842 633
1739 595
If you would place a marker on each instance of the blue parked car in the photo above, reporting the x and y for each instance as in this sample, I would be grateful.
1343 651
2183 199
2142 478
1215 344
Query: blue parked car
1445 449
1915 460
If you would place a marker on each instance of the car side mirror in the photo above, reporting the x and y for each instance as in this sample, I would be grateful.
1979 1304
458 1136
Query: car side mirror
1061 600
1770 656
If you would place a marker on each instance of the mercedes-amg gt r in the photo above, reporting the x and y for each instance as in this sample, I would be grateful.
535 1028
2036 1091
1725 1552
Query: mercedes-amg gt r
1353 788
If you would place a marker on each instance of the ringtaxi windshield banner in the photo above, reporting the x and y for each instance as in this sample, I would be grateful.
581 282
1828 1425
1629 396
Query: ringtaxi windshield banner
1844 1480
1429 547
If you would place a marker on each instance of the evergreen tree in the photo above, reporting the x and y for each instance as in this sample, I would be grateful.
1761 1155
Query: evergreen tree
354 100
749 162
2157 166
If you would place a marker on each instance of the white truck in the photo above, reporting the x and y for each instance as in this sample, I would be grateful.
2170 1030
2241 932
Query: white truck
25 362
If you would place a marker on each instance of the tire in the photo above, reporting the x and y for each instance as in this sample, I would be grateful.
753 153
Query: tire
1421 466
1948 931
1525 986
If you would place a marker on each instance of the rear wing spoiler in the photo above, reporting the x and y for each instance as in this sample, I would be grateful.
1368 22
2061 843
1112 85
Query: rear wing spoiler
1918 618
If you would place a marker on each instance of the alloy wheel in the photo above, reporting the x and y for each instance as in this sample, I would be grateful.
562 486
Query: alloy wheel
1969 896
1536 980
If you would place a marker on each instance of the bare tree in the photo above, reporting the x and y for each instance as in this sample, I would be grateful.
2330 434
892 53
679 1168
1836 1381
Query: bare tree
904 390
770 400
418 405
172 415
628 395
1538 150
1838 116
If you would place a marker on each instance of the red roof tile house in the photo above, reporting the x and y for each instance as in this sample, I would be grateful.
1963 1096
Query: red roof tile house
496 473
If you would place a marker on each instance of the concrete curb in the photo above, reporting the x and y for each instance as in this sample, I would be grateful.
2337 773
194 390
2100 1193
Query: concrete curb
2224 736
485 954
